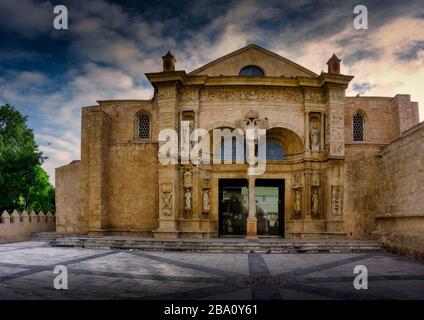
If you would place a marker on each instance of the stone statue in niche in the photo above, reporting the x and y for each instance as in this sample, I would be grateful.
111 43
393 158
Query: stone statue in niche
206 202
187 200
315 202
315 134
297 201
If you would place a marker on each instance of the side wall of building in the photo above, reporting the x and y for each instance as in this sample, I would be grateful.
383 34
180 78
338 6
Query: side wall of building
68 199
400 213
385 119
132 169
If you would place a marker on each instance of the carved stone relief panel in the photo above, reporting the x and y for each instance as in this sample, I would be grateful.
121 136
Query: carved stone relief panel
166 198
247 93
297 180
337 201
188 179
313 97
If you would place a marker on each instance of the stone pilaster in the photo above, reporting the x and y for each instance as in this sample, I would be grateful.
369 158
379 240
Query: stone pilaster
252 221
96 126
335 143
169 183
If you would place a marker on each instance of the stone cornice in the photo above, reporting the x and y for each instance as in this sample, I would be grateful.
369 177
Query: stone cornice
325 79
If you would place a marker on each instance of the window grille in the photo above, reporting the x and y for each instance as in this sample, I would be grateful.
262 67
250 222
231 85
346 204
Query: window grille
144 126
358 127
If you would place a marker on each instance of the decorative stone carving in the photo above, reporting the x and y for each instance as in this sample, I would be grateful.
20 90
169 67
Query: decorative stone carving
206 183
252 121
189 94
188 181
166 198
337 148
297 180
313 97
166 92
243 94
187 199
337 200
206 201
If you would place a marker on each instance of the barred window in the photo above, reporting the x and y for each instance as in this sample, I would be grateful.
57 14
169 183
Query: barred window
358 127
144 126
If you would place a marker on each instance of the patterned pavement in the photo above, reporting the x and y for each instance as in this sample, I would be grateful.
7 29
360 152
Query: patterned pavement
26 272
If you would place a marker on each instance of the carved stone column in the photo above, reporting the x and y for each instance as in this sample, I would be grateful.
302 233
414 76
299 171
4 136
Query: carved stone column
252 221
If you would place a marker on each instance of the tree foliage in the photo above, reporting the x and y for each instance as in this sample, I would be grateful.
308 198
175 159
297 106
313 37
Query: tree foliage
23 182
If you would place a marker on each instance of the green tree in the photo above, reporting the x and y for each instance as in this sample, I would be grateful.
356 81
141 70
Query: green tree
23 183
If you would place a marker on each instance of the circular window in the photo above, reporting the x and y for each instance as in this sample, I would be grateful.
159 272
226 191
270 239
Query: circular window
254 71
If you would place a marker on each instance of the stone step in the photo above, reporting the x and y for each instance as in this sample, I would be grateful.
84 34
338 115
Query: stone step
239 245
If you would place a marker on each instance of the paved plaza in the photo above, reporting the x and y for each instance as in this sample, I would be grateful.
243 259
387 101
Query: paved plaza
26 272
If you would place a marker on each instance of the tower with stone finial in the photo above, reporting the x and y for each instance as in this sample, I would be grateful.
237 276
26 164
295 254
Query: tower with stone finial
168 62
334 64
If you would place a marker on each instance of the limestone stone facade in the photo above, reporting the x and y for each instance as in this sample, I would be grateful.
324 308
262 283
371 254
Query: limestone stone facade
334 148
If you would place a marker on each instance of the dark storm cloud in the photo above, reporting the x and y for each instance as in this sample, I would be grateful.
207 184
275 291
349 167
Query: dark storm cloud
412 51
362 88
361 54
50 74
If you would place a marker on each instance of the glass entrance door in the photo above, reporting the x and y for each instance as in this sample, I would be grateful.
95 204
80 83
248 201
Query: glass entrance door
269 207
233 206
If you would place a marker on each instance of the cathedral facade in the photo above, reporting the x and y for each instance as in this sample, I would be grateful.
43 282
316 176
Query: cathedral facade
325 156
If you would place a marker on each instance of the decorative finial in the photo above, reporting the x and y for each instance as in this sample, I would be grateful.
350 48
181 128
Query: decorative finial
334 64
168 62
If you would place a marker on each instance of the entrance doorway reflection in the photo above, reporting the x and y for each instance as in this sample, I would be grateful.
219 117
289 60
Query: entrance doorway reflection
269 207
233 207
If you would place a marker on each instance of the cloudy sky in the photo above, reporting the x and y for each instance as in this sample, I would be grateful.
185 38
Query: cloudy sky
50 74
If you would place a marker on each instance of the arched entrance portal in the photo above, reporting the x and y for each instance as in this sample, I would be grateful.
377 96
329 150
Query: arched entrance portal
254 205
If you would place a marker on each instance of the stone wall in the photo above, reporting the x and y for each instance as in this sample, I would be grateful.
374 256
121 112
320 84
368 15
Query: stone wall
17 226
68 199
385 117
400 212
361 190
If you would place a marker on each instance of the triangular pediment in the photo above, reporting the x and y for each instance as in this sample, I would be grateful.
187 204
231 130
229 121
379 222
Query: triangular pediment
271 63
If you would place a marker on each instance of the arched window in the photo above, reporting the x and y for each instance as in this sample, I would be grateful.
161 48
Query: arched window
358 127
274 151
252 71
144 127
233 150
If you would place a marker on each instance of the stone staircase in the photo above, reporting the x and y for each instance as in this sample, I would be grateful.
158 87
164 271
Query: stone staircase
222 245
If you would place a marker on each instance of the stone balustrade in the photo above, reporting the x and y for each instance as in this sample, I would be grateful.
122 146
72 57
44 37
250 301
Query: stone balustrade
20 226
